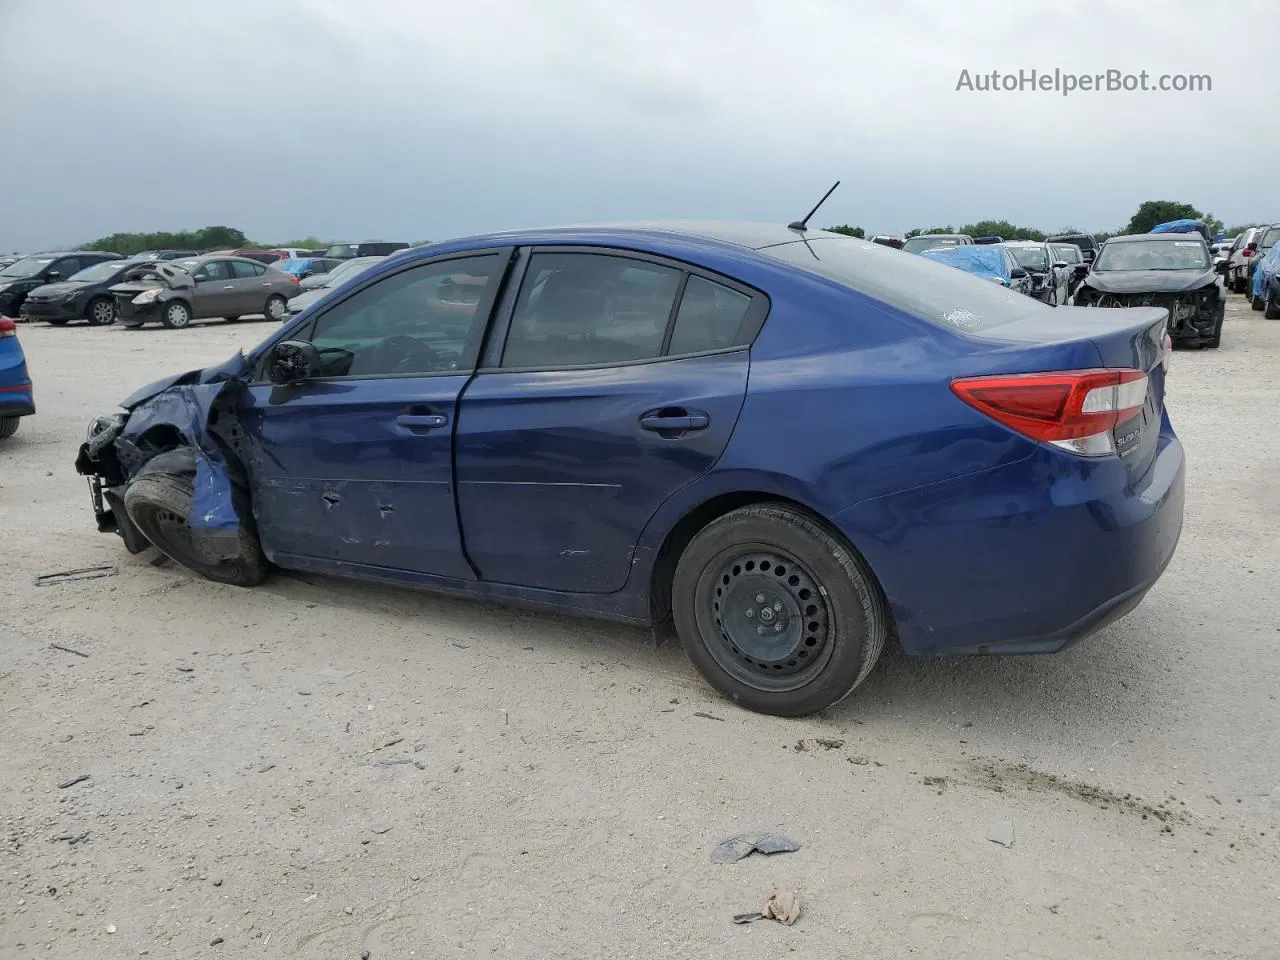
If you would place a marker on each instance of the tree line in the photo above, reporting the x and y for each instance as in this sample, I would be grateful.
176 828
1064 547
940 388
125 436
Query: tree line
228 238
1147 216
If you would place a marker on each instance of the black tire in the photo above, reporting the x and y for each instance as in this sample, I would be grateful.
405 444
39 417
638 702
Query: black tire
276 308
1237 284
1271 307
1256 303
175 315
100 312
158 500
8 426
827 608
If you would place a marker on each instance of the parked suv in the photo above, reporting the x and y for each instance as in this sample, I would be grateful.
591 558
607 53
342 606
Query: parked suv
1086 242
22 276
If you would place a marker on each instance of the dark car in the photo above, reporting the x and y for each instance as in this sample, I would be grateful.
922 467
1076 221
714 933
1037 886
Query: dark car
148 255
1168 270
83 296
22 276
179 291
1086 242
889 240
366 248
681 424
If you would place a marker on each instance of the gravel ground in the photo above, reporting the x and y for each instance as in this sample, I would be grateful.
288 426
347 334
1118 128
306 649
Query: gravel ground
317 768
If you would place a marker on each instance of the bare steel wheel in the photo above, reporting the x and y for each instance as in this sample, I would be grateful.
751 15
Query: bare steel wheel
776 611
277 307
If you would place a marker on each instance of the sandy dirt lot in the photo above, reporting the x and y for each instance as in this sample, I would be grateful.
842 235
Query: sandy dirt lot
323 769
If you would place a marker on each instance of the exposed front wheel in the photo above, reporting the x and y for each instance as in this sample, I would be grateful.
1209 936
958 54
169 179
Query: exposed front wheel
277 307
101 312
158 501
176 315
8 426
776 613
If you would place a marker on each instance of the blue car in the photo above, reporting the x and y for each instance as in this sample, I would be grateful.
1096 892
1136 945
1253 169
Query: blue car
1265 292
786 445
988 261
303 267
16 397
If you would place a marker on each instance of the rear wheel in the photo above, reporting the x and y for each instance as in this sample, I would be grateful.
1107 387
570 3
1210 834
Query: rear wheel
776 613
277 307
158 501
1256 303
176 315
8 426
100 312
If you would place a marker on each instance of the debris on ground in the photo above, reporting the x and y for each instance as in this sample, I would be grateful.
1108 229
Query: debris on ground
64 576
747 917
735 848
708 716
1001 833
826 743
58 646
783 906
81 778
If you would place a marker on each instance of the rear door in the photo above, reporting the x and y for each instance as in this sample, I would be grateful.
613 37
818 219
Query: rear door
613 380
355 467
251 286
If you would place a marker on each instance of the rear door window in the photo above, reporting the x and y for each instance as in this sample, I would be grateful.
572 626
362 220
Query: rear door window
247 271
710 318
918 286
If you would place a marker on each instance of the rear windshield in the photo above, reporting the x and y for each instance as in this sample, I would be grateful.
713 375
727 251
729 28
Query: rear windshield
919 286
920 244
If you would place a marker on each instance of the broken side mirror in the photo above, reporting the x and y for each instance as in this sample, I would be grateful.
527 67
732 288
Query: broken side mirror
1221 266
293 361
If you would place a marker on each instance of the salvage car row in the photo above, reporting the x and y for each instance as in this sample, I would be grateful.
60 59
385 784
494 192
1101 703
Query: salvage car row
1170 267
173 287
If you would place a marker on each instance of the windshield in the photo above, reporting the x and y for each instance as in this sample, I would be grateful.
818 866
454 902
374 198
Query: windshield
932 291
1153 255
342 250
99 271
345 271
920 244
26 267
1031 258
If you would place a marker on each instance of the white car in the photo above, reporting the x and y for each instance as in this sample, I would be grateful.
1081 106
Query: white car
1050 277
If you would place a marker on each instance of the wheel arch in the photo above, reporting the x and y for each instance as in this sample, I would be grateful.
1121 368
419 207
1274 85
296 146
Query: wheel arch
699 516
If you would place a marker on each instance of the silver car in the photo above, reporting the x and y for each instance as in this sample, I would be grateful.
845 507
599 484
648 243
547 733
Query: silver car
326 283
175 292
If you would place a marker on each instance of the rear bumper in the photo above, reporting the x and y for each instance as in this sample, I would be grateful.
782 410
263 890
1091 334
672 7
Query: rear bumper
1027 558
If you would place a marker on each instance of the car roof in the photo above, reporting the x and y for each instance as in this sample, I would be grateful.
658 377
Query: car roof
1020 243
1157 237
745 234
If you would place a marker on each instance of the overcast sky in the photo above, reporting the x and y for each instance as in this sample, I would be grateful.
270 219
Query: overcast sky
421 119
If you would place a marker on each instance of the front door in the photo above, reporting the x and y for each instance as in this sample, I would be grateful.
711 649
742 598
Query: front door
607 399
354 468
215 293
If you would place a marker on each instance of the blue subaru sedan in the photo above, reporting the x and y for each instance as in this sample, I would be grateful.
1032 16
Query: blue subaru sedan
16 397
787 446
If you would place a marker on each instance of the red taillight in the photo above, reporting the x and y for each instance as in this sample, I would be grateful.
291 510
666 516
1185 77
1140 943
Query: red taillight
7 328
295 278
1075 410
1248 251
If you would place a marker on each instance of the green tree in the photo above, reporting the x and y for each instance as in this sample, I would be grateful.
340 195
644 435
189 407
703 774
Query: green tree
847 230
207 238
1001 228
1160 211
307 243
1236 231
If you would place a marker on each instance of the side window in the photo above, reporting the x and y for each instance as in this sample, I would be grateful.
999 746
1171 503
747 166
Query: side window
67 266
247 271
419 321
214 270
579 309
710 317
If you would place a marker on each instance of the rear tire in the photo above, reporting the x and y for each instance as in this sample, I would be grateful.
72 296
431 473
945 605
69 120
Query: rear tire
276 308
158 501
101 312
176 315
8 426
1256 303
787 642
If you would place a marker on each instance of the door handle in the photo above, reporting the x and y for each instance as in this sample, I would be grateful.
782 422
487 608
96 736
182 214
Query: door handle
421 421
228 286
675 421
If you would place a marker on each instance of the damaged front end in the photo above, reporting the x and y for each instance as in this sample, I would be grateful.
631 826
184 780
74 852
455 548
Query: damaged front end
191 415
1195 316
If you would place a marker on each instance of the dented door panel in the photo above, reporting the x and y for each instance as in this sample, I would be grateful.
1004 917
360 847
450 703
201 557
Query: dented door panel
357 472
